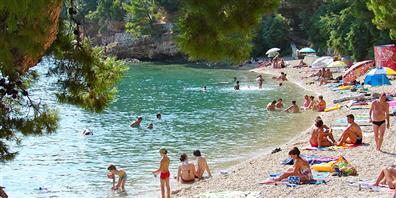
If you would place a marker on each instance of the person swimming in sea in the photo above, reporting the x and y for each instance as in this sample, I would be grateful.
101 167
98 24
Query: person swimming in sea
163 170
271 106
150 125
87 132
158 115
236 87
279 104
293 108
137 122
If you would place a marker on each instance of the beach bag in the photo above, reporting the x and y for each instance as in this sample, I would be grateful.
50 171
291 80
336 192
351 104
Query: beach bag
343 167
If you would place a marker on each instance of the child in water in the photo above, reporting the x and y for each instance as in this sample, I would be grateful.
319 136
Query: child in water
122 176
163 170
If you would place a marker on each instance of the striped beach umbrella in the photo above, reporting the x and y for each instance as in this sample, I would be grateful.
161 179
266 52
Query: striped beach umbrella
377 77
357 70
322 62
389 71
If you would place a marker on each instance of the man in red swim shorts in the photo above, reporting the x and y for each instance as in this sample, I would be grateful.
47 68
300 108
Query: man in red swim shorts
164 173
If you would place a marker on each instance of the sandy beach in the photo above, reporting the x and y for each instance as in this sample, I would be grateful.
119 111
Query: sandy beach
368 162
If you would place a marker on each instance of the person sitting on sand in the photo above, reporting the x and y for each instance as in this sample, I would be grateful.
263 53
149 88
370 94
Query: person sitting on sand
319 138
321 104
186 171
122 176
300 168
260 81
137 122
279 104
293 108
328 75
352 134
271 106
387 176
307 101
236 87
163 170
202 165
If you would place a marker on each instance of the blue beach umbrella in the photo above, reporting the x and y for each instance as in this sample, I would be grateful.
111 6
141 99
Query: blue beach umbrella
307 50
377 77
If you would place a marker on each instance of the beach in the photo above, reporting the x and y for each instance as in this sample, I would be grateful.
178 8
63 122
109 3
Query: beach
245 177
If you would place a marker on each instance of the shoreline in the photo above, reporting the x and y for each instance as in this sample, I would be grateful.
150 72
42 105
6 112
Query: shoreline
253 170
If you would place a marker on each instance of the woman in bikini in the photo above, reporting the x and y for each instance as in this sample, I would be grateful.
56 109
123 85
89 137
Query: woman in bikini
307 101
186 172
300 168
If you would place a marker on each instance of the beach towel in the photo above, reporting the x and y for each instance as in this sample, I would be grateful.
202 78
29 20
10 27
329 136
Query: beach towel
332 148
360 107
318 178
233 194
369 185
312 159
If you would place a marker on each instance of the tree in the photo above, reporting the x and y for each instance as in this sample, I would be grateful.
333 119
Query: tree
142 15
30 30
221 30
274 32
384 15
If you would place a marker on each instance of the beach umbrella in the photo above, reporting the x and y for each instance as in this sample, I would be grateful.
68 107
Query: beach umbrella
272 50
389 71
322 62
272 54
307 50
377 77
337 64
357 70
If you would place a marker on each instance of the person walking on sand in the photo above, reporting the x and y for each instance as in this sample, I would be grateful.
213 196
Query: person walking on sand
271 106
352 134
260 81
186 171
279 104
163 170
293 108
202 165
387 176
379 112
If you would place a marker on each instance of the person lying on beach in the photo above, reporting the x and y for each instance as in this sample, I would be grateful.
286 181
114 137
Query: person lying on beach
279 103
352 134
319 138
281 77
379 116
137 122
307 101
122 176
236 87
271 106
318 73
300 168
163 170
387 176
321 104
301 64
202 165
186 171
293 108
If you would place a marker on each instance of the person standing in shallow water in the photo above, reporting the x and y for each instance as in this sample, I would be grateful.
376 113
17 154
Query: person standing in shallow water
163 170
260 81
379 116
236 87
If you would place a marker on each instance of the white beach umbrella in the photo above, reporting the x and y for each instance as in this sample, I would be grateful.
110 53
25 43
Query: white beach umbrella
272 50
272 54
322 62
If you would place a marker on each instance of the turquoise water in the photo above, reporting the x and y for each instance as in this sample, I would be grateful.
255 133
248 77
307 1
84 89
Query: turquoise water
226 125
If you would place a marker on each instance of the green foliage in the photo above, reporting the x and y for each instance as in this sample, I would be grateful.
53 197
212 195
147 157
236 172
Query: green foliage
142 15
107 10
169 5
86 77
385 15
221 30
274 32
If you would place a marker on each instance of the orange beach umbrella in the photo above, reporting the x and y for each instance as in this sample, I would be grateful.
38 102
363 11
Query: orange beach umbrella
357 70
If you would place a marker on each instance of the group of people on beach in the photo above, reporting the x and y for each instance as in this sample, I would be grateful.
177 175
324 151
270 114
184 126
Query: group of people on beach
322 136
309 104
139 120
186 173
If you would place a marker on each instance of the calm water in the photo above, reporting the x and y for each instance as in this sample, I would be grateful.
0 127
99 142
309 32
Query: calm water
226 125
